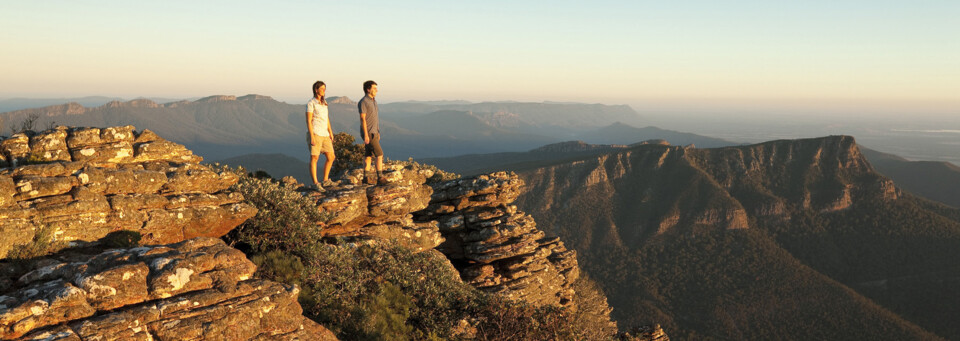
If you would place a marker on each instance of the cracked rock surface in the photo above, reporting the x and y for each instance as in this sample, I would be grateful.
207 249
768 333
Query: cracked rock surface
196 289
496 247
88 182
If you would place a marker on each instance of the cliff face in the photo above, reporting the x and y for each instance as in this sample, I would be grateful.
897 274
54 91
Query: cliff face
87 182
650 189
655 188
722 242
826 175
498 248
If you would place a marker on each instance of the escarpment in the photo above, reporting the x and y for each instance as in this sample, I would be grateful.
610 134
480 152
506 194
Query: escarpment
643 214
656 188
824 174
87 182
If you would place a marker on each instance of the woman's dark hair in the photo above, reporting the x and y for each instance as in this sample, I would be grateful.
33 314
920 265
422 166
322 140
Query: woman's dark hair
367 85
316 91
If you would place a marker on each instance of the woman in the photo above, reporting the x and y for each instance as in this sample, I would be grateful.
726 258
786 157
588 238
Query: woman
319 134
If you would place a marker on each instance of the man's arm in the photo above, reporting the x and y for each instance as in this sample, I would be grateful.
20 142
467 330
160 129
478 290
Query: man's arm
363 127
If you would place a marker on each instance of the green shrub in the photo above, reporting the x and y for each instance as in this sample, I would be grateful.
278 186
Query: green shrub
279 266
386 314
286 220
341 280
349 154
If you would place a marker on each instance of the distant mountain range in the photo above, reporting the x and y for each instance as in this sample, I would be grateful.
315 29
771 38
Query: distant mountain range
12 104
935 180
790 239
220 127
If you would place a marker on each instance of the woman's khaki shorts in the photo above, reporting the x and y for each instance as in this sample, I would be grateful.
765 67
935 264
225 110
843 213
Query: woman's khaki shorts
323 145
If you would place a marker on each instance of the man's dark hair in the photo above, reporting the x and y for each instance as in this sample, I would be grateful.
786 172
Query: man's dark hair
367 85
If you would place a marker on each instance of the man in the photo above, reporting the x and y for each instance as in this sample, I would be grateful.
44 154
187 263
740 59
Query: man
319 134
370 128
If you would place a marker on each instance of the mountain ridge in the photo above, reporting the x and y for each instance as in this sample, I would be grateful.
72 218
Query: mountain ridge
672 233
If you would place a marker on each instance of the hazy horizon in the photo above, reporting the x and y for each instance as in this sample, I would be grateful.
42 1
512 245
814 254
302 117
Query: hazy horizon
815 56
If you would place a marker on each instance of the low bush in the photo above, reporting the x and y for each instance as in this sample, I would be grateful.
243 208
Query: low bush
286 220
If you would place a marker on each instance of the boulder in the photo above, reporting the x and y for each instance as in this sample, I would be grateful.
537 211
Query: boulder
368 212
195 289
88 182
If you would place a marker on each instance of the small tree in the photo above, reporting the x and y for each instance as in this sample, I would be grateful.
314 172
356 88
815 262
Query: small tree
349 154
27 124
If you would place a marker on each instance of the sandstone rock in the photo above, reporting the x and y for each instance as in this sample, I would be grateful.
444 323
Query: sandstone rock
71 289
50 145
7 191
365 212
163 150
108 152
499 248
345 205
16 148
83 137
29 187
104 186
196 289
193 178
117 134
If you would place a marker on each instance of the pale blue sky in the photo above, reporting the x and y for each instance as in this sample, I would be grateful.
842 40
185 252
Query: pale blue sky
795 54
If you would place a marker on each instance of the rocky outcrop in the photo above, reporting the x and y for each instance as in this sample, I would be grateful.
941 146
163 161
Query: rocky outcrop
196 289
496 247
368 212
341 100
88 182
471 221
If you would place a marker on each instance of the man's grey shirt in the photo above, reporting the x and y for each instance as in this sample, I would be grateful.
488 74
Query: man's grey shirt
368 106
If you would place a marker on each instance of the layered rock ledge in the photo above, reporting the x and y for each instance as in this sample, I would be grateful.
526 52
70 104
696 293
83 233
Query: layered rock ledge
496 247
492 245
88 182
196 289
370 212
